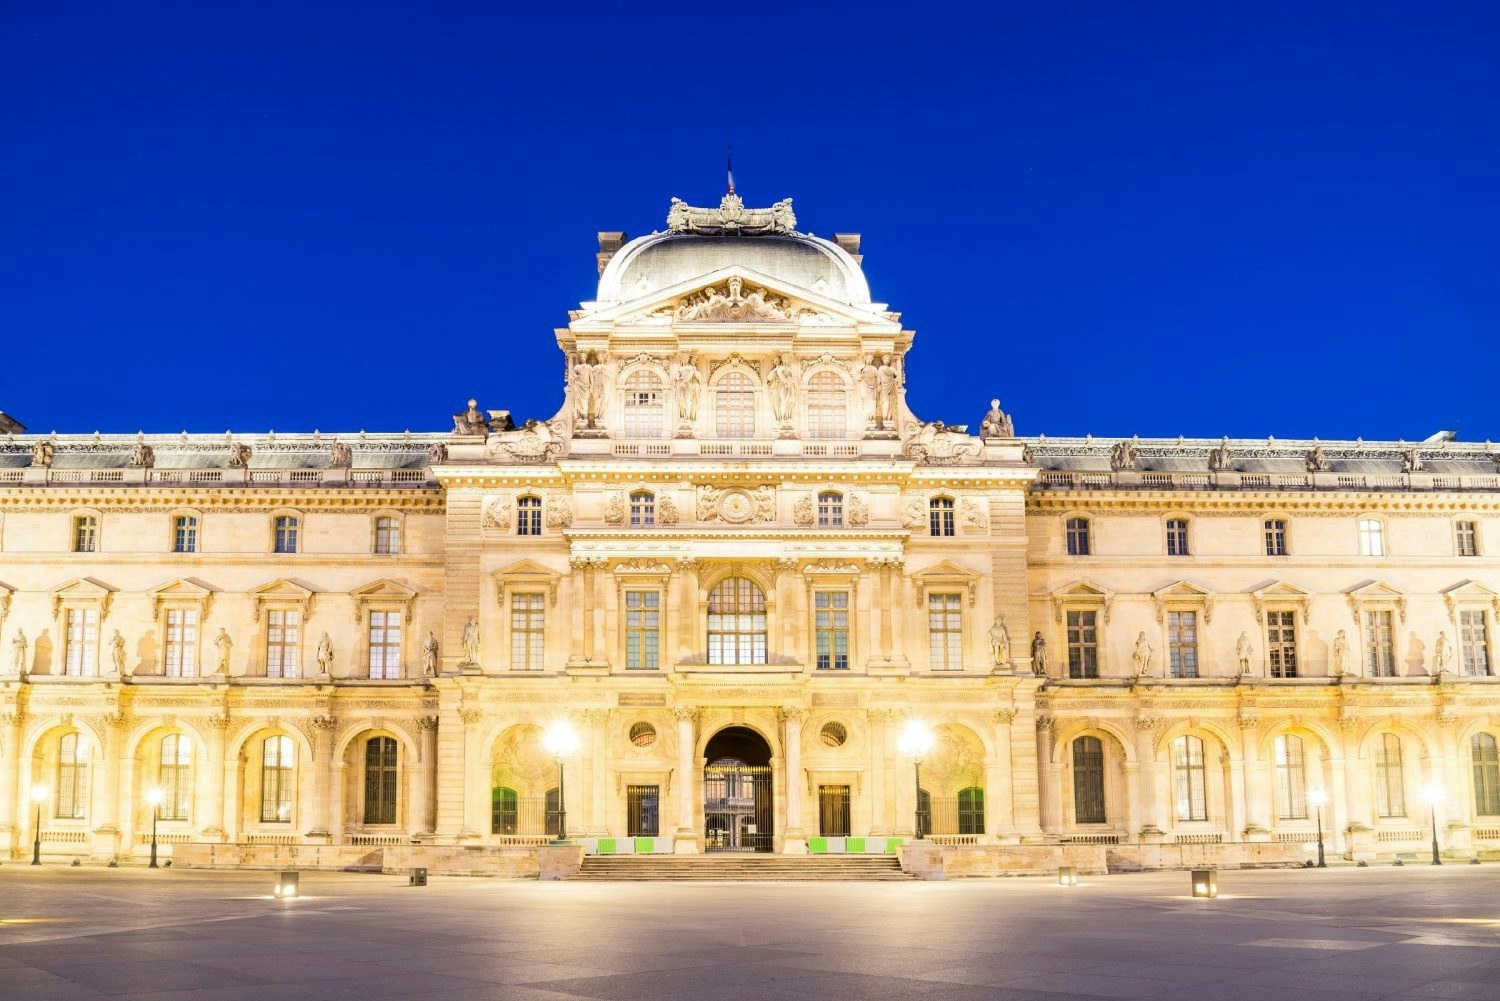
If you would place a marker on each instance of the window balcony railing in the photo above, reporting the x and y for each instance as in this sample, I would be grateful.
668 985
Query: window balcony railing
1053 479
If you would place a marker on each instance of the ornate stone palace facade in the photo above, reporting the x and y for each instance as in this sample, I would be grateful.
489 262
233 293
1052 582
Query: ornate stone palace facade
737 564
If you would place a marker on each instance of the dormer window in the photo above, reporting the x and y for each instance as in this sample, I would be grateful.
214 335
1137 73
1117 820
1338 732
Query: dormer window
644 410
734 407
827 413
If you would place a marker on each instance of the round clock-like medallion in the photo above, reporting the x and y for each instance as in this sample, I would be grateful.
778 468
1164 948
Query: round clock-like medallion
736 507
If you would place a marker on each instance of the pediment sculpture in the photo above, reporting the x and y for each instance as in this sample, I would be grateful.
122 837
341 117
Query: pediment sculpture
537 441
731 217
934 443
734 302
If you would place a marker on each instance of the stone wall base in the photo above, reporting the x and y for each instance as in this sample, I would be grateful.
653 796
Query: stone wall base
931 861
518 862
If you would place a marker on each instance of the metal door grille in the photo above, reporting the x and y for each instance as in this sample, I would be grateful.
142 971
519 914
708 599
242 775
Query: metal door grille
737 808
833 811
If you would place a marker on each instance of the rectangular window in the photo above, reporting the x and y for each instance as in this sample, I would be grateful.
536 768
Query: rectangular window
1177 537
1078 536
72 777
185 535
277 780
286 534
1281 643
1390 786
1275 537
642 630
1191 778
283 632
1083 644
526 631
175 776
1371 537
643 811
940 516
1291 779
1466 538
831 625
381 760
182 642
830 510
833 811
529 516
945 631
85 534
385 645
642 510
387 536
82 655
1380 645
1474 637
1182 643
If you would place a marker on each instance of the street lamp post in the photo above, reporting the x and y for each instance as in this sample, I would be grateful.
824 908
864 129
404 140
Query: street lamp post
38 796
154 797
1317 797
561 740
915 741
1432 794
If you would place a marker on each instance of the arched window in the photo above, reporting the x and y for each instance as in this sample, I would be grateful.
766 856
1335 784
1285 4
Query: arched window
1177 537
642 509
1390 781
971 810
1291 779
830 509
827 413
1078 536
286 533
72 777
387 536
504 811
1191 778
184 534
736 623
278 769
1088 780
734 406
940 517
644 410
528 515
380 780
174 776
1486 774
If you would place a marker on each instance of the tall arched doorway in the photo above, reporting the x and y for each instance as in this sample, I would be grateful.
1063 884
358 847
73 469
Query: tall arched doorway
737 800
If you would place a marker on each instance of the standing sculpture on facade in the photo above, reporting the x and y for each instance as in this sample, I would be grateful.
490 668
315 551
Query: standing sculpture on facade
867 381
1122 455
1242 652
472 421
996 423
782 382
687 386
586 385
1316 461
430 656
1141 658
1340 654
41 453
1039 655
18 654
1000 641
887 384
340 456
117 652
142 456
1221 460
239 455
471 642
1442 654
325 656
224 645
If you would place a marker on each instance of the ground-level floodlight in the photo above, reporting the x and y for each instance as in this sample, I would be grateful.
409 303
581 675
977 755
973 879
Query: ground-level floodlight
1067 875
1205 882
286 885
418 877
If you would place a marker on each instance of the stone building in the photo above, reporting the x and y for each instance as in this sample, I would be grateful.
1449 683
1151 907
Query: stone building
736 567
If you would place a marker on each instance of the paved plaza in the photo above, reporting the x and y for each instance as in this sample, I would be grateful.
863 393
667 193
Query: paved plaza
1333 935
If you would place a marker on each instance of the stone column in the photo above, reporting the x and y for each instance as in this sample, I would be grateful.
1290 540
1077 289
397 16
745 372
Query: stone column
1152 826
686 838
881 824
1257 802
215 801
475 825
1457 787
898 613
1049 779
323 777
11 801
886 610
600 597
1336 819
423 781
338 800
786 609
999 806
794 839
106 817
1359 837
449 763
597 722
687 609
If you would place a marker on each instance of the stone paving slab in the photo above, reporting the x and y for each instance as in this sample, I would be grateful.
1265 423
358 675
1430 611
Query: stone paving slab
177 935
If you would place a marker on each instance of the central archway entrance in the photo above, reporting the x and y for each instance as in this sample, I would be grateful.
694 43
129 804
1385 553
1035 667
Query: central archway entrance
737 801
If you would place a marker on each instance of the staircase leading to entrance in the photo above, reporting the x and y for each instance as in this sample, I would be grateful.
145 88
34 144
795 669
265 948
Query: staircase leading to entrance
741 868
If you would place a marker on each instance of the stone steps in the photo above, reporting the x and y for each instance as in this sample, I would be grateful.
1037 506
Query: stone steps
741 868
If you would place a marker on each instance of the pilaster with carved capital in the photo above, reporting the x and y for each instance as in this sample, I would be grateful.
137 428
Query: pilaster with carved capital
425 723
1247 721
471 716
1005 717
686 714
1046 723
1147 724
790 714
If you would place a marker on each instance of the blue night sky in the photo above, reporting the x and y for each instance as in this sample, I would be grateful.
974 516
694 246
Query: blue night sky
1206 219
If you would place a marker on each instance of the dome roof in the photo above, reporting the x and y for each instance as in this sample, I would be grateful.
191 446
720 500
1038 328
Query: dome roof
662 260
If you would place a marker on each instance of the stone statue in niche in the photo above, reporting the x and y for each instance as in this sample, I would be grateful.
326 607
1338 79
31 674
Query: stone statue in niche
586 384
1000 641
471 641
117 652
1442 654
340 456
867 380
1340 654
18 653
687 386
41 453
887 384
225 646
1221 460
1242 652
239 455
142 456
1122 455
996 423
782 382
430 656
1039 655
325 656
1140 659
472 421
1316 461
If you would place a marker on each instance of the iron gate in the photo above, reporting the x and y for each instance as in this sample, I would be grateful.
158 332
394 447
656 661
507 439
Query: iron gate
737 808
833 811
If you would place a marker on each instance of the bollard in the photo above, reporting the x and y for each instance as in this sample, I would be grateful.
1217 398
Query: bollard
286 885
418 877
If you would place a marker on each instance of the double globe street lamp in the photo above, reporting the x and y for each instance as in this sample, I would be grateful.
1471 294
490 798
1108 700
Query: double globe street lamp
915 741
155 797
561 740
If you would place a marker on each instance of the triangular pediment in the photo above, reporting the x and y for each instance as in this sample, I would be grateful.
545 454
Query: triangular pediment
282 588
1470 589
1281 590
526 568
946 570
181 589
738 295
1375 590
1082 591
81 590
526 574
1182 589
384 590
